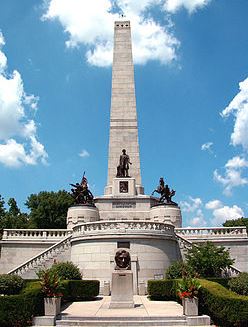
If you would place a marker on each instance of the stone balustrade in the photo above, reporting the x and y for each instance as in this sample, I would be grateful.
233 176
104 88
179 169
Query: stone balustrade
35 234
212 232
40 259
123 227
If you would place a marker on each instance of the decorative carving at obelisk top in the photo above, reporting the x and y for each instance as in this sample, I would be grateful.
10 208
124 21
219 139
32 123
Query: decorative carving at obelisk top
165 193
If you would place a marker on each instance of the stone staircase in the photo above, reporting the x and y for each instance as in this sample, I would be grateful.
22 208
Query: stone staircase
59 252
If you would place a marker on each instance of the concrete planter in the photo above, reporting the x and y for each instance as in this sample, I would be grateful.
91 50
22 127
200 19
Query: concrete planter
190 306
52 306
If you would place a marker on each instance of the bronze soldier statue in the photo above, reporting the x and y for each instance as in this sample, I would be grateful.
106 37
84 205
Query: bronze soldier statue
81 193
165 192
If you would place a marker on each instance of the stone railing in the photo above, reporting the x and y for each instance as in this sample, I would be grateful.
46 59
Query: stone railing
35 234
39 259
212 232
123 227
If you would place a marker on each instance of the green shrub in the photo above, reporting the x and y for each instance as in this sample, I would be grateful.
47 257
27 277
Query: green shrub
220 280
164 289
66 270
226 308
239 284
18 310
10 284
176 270
80 289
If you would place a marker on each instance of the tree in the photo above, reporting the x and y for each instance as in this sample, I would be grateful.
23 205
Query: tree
208 260
49 209
14 218
236 222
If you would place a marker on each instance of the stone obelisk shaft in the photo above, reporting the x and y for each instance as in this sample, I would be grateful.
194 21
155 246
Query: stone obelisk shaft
123 118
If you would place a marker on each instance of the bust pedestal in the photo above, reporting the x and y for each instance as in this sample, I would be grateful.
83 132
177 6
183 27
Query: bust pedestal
122 289
82 213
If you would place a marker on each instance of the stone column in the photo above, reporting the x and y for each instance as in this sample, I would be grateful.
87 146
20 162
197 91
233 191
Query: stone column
123 118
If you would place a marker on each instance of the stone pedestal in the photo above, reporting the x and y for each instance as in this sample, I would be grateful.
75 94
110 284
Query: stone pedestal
167 213
124 186
80 214
122 289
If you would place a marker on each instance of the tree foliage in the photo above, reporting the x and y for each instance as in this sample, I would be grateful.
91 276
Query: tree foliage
208 260
49 209
236 222
13 218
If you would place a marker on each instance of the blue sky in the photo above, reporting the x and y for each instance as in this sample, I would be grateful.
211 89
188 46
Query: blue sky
191 73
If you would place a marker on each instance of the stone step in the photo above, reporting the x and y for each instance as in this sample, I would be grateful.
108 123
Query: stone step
117 318
121 323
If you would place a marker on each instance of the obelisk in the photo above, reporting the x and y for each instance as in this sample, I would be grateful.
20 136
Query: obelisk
123 118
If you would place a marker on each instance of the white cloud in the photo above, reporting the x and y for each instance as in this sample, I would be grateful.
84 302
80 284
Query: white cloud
207 147
84 153
192 205
220 215
92 25
239 108
190 5
16 108
233 174
194 208
214 204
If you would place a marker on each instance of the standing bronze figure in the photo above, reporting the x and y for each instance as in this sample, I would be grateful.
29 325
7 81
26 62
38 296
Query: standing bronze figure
81 193
122 169
165 192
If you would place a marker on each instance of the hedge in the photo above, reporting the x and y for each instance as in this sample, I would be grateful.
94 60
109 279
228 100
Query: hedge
10 284
18 310
163 289
226 308
80 289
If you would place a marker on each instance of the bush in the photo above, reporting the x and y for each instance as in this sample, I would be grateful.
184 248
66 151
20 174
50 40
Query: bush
10 284
164 289
226 308
239 284
80 289
208 260
66 270
18 310
176 270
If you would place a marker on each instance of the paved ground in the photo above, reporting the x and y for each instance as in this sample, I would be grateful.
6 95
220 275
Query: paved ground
143 308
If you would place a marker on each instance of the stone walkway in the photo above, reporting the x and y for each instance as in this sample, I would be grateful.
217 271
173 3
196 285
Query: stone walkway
143 308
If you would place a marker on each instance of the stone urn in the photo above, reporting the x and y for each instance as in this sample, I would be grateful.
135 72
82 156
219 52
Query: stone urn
190 306
52 306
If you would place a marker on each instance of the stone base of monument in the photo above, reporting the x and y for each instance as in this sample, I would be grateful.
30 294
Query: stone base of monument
167 213
122 289
81 213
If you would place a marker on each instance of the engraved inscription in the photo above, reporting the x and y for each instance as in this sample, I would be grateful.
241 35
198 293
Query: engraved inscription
123 205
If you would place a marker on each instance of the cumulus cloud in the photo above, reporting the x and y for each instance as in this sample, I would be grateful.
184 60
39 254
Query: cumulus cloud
91 25
84 154
194 207
18 139
238 107
221 212
233 174
190 5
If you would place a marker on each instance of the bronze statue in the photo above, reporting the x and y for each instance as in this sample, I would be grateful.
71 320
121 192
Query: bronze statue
165 192
122 169
81 193
122 260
